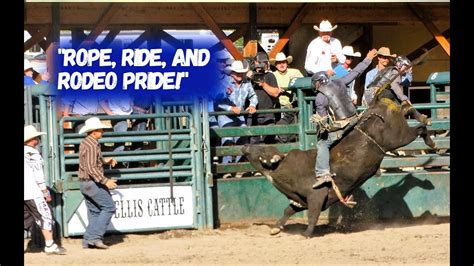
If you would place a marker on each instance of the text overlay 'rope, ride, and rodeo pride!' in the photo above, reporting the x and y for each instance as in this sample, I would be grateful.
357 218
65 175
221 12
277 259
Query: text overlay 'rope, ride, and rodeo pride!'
82 70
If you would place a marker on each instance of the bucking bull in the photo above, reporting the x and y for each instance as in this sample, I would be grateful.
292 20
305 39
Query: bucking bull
354 159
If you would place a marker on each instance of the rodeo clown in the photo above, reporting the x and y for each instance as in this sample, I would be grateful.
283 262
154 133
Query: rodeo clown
36 194
391 78
335 114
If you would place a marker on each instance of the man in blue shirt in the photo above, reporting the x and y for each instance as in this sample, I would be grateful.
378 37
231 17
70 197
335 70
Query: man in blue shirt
237 91
384 59
343 69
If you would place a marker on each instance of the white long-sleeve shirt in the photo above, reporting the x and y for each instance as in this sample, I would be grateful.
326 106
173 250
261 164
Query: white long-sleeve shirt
318 55
122 105
34 175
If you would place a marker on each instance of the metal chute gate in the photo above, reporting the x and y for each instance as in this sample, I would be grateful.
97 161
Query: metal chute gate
162 184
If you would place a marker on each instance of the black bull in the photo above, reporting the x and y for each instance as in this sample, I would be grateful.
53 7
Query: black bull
354 159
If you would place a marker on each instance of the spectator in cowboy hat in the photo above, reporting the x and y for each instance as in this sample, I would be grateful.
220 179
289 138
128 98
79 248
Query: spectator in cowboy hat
343 69
283 75
324 51
94 186
36 194
384 59
238 91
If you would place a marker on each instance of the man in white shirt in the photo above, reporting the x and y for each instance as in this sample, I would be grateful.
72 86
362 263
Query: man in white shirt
324 51
36 195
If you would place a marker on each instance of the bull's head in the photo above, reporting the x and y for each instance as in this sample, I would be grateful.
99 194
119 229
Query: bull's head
270 163
262 157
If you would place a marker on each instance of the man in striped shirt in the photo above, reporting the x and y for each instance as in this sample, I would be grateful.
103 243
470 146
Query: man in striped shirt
94 185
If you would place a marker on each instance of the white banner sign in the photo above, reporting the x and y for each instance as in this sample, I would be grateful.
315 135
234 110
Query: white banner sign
142 208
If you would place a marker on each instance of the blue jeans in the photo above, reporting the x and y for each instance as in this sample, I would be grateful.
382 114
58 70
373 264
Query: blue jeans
323 156
230 141
286 119
138 125
100 208
212 118
120 126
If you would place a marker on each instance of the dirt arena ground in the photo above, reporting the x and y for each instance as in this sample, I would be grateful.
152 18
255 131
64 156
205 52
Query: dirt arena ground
418 242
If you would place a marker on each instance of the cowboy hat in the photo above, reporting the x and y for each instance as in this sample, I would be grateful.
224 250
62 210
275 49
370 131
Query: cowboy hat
31 132
385 51
281 57
349 51
238 66
325 26
91 124
27 65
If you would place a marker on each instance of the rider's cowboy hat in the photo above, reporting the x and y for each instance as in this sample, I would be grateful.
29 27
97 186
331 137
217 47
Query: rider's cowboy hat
92 123
31 132
349 51
325 26
385 51
281 57
238 66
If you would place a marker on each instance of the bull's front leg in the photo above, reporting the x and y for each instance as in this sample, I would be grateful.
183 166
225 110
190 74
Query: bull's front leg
287 213
315 203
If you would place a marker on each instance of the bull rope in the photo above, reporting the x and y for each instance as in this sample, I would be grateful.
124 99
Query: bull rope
348 202
367 135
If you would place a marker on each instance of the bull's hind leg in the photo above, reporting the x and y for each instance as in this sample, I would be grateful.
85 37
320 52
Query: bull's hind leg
408 109
413 132
287 213
315 203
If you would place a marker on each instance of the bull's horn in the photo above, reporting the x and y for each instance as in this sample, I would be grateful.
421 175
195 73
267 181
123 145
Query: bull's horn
275 158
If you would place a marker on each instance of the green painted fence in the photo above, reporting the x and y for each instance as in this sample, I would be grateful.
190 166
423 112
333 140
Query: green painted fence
174 159
174 163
